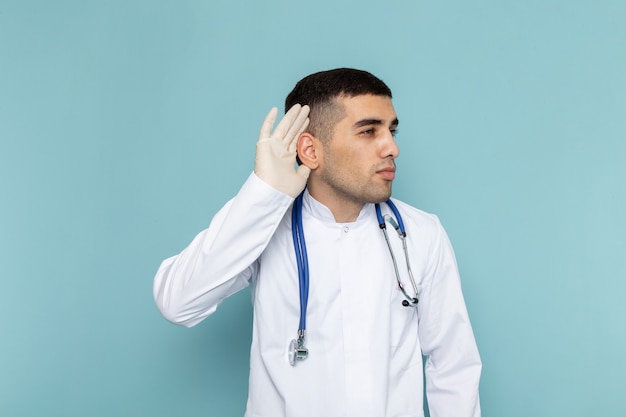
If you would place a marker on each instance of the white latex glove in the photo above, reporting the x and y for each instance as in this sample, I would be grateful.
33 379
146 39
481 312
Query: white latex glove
276 151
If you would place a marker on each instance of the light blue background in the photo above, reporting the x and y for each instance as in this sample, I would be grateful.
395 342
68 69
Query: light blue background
125 125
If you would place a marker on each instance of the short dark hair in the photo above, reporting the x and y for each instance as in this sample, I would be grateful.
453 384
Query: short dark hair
319 91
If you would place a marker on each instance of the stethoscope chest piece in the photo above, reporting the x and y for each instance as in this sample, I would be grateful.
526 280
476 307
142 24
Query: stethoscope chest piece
297 351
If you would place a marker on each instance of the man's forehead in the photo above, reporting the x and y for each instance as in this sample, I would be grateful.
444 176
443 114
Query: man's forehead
368 106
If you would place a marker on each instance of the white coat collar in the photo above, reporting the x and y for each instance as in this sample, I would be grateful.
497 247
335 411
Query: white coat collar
323 213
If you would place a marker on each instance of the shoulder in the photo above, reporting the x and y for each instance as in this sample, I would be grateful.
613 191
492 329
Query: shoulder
421 223
424 230
416 217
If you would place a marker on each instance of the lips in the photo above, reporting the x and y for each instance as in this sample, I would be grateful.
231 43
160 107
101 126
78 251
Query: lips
387 173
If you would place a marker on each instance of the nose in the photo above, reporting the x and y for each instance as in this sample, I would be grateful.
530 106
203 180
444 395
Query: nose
390 148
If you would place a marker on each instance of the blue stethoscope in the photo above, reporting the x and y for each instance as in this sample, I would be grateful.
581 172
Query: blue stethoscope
297 350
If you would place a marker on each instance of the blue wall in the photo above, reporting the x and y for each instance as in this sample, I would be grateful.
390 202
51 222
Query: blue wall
125 125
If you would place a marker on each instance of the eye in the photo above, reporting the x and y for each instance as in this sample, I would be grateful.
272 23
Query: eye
368 132
394 131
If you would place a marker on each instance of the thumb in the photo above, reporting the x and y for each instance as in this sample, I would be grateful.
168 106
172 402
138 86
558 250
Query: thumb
303 171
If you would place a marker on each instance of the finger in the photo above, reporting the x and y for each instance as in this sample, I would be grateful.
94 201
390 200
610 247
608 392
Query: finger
296 127
286 122
294 142
268 123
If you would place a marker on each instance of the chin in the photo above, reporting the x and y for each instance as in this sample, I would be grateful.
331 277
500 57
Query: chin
380 197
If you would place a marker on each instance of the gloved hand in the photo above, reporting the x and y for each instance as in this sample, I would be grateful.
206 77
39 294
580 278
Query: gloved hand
276 151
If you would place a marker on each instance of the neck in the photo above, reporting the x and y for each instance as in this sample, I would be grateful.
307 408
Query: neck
343 210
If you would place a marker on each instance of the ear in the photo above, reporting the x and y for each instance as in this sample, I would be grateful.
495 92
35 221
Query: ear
309 150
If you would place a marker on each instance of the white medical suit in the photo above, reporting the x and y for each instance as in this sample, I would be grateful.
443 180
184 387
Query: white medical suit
365 348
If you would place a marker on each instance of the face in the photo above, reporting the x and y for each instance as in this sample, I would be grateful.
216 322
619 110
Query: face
357 165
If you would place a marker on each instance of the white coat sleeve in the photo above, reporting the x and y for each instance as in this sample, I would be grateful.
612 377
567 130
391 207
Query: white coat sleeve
453 365
220 260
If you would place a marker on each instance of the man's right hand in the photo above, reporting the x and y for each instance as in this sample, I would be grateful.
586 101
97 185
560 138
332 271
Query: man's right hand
276 151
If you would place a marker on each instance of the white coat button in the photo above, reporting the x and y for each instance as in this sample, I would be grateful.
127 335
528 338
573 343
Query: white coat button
346 229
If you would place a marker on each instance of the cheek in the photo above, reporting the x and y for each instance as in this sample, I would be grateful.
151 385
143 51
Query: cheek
349 162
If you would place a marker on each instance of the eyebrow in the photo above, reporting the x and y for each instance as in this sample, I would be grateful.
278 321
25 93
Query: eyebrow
368 122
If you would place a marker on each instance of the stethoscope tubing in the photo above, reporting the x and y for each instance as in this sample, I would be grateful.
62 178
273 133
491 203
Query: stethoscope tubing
302 260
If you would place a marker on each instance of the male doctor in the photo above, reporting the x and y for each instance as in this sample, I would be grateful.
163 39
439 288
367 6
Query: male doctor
367 324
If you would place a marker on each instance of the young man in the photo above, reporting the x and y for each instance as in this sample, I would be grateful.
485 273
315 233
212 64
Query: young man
350 344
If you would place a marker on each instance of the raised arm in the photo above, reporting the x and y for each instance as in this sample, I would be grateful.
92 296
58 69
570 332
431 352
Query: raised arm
221 260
